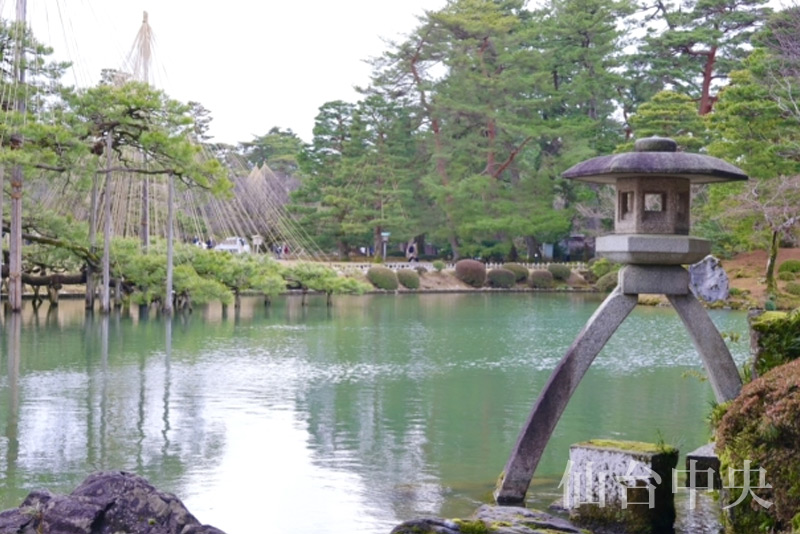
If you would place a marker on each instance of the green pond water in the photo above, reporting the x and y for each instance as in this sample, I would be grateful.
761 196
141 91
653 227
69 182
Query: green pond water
349 419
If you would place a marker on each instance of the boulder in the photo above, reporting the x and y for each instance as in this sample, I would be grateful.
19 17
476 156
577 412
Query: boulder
708 280
104 503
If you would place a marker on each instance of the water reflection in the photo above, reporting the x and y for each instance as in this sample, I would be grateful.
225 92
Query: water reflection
348 418
9 452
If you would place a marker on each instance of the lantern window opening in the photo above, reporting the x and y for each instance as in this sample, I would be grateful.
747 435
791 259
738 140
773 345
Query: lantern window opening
655 202
626 199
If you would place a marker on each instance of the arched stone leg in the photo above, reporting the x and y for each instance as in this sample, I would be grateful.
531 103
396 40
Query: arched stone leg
556 394
717 359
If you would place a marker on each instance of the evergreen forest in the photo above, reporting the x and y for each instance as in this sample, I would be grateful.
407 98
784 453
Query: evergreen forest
456 145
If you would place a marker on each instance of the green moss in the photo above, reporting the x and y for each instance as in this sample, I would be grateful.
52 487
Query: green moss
768 317
472 526
630 446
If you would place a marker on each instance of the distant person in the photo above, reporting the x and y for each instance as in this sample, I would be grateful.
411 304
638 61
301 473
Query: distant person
411 253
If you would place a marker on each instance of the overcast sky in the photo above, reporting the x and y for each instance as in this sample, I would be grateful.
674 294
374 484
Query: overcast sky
254 64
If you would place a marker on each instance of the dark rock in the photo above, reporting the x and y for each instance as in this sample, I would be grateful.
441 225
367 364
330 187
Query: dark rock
104 503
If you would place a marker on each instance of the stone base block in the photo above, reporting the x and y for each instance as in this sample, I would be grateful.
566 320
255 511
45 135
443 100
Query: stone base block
621 485
702 469
652 249
663 279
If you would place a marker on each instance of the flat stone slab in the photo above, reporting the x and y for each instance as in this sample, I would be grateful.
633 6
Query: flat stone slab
652 249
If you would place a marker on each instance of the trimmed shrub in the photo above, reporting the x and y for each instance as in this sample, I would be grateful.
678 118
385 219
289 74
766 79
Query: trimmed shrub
502 278
408 278
471 272
761 427
777 338
520 271
438 265
793 288
559 272
790 266
540 279
382 278
600 267
787 276
607 282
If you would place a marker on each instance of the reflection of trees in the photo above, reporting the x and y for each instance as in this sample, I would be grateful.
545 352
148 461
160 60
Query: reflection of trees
424 402
10 452
100 397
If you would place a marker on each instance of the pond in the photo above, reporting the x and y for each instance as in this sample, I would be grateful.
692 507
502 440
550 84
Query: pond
348 419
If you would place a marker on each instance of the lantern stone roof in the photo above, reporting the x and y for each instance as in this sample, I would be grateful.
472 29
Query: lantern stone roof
655 156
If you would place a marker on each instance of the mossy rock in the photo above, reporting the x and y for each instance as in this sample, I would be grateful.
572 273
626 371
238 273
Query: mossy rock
383 278
520 271
541 279
607 282
559 272
471 272
500 278
762 427
408 278
631 446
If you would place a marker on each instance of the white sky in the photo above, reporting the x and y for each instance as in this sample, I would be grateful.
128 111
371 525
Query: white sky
254 64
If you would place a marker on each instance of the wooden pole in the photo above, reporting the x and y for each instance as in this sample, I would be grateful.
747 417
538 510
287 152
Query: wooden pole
170 244
90 272
2 232
105 304
15 224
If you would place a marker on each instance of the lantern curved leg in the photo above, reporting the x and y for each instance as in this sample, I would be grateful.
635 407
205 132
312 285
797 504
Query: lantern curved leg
717 359
554 397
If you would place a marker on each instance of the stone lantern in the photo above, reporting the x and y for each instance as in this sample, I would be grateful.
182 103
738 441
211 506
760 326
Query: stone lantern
651 237
651 220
